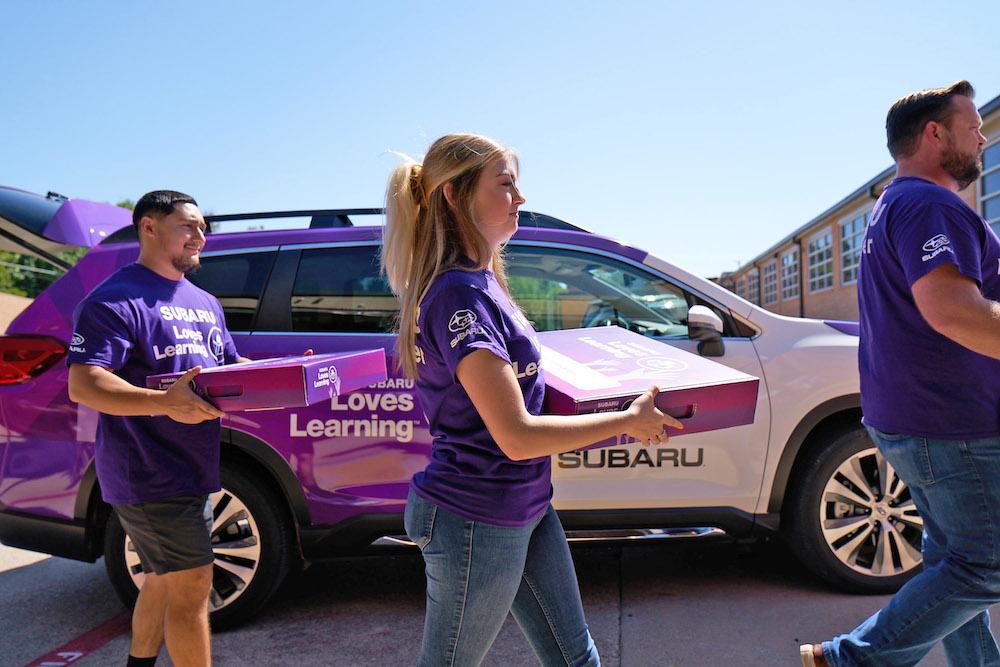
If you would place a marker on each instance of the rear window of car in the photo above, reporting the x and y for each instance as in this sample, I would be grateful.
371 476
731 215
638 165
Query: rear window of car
340 290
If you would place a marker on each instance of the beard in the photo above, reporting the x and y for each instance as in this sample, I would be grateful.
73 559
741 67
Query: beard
963 167
185 264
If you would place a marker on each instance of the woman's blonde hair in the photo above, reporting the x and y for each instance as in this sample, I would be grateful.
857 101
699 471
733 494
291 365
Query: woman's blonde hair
425 236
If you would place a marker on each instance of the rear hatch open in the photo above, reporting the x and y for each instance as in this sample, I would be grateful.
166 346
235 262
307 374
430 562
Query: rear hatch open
45 226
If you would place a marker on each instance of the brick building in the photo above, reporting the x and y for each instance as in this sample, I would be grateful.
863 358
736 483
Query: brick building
813 271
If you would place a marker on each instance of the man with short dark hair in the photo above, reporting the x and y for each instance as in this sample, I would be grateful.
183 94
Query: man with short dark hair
930 388
157 452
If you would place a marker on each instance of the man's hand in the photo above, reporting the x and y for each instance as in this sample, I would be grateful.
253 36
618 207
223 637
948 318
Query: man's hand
180 403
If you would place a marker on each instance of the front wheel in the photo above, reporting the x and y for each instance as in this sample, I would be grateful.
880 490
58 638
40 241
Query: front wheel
251 539
851 519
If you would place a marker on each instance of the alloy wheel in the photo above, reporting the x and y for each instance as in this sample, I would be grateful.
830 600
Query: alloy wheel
235 542
868 517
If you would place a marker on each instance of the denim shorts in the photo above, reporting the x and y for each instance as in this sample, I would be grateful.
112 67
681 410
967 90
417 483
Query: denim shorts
170 535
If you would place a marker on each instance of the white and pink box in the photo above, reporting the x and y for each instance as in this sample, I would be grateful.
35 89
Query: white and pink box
285 382
603 369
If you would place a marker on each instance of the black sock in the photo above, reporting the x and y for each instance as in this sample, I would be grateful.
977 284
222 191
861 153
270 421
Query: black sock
140 662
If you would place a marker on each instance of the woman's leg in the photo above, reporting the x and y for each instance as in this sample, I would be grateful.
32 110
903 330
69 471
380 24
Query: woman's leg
473 572
548 606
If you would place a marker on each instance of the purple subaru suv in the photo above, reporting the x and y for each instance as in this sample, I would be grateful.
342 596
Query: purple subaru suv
331 479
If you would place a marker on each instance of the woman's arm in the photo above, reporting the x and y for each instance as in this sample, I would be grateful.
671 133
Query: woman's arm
493 388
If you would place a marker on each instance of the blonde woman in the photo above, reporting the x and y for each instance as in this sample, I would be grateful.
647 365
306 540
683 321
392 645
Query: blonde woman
480 512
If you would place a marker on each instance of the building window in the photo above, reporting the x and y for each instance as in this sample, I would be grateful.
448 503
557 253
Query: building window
790 274
770 283
990 186
821 262
852 235
754 286
741 287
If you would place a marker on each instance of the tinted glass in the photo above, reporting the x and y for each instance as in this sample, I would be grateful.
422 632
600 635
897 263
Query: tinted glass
991 183
236 281
991 208
565 289
340 290
991 156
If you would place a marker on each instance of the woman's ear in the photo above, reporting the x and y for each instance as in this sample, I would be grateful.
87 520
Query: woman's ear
449 193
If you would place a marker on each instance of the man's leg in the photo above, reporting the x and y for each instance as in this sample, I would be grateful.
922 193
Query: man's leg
147 617
956 486
186 619
173 540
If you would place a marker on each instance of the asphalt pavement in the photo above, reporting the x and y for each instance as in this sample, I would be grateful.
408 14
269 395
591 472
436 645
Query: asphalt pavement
682 605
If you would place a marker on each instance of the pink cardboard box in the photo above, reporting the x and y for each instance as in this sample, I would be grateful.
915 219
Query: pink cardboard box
285 382
604 368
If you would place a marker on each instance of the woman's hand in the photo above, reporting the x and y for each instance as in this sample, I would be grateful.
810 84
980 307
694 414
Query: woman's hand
647 423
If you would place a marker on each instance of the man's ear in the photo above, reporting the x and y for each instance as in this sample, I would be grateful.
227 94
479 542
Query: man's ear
934 131
449 193
146 223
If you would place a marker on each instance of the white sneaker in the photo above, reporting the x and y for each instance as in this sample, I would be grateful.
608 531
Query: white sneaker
806 654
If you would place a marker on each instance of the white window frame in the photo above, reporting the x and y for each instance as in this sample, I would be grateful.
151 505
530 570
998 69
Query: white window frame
993 142
790 278
770 296
865 212
816 257
753 286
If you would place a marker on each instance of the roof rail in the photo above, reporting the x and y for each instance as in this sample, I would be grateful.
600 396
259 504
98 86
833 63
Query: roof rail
340 217
320 218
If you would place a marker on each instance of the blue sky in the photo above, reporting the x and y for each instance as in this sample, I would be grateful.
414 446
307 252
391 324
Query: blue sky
703 132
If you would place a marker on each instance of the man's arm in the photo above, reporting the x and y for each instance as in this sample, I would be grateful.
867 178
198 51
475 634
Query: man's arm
953 306
102 390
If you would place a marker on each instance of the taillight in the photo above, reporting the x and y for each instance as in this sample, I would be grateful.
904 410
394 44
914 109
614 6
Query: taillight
25 357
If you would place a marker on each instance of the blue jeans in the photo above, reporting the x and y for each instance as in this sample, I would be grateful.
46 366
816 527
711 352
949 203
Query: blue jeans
477 572
956 487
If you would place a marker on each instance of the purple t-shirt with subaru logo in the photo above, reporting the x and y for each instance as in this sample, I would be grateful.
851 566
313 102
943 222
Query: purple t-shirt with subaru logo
138 323
914 380
468 474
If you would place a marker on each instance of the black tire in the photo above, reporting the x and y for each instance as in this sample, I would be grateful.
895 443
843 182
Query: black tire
263 524
850 519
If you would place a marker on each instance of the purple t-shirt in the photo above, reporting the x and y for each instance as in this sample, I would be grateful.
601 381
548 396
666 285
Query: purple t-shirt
138 323
914 380
468 474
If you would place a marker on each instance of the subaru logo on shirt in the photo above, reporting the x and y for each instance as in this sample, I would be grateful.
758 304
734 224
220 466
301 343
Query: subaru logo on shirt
76 343
215 344
936 242
462 319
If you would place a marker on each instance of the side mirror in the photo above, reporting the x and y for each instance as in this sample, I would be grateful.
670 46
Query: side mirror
705 327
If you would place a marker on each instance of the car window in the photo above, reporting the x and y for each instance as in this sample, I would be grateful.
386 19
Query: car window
564 289
236 281
340 290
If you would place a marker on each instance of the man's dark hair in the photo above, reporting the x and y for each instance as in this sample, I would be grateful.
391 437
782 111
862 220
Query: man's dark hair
158 203
909 115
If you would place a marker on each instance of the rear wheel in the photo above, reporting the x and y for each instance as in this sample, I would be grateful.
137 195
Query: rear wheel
251 539
851 519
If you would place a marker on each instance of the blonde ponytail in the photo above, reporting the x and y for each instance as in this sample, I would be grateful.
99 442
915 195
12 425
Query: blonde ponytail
424 236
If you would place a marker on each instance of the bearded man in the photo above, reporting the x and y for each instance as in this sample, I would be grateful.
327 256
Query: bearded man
157 452
930 385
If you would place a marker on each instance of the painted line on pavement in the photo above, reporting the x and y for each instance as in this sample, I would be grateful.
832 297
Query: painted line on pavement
85 644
